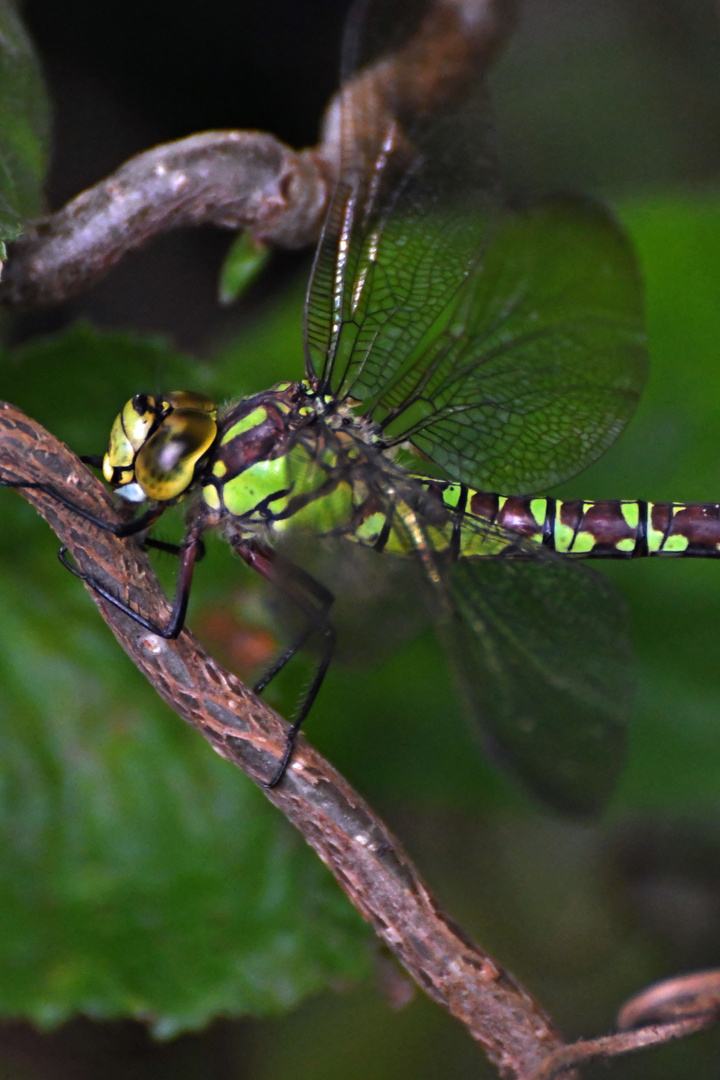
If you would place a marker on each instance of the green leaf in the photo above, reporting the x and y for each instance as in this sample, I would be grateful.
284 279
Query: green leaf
24 127
141 875
244 261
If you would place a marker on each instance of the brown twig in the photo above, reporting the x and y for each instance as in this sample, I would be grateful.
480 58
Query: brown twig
609 1046
366 859
234 179
244 179
681 997
668 1010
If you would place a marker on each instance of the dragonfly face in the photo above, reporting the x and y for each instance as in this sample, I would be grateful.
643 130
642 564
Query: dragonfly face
156 445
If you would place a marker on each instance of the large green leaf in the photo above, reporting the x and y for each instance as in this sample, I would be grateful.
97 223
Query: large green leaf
24 123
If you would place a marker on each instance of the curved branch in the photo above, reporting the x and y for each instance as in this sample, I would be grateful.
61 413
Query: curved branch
244 179
365 858
234 179
610 1046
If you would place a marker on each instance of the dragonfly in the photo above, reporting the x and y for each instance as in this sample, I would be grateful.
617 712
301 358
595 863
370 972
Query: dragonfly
454 351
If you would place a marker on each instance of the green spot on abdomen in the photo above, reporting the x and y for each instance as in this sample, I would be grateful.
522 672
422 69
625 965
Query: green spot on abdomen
538 509
675 544
564 536
451 495
584 542
631 514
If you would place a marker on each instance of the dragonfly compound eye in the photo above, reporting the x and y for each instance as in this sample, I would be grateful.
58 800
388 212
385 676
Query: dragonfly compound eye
188 423
129 432
184 399
165 464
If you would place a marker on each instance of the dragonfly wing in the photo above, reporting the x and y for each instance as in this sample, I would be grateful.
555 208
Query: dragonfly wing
509 349
545 665
542 361
416 191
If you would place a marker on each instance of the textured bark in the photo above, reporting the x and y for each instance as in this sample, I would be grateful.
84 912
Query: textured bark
234 179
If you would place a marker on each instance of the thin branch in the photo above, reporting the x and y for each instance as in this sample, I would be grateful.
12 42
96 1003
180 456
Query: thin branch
681 997
245 179
671 1009
366 859
234 179
609 1046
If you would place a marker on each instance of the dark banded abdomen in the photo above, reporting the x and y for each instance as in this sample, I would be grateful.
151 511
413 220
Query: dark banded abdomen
615 529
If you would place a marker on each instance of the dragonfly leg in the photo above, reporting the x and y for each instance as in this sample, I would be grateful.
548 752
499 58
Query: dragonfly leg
315 601
172 549
94 460
188 553
125 528
457 523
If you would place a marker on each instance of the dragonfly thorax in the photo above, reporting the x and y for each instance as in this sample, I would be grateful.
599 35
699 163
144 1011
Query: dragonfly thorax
285 458
288 458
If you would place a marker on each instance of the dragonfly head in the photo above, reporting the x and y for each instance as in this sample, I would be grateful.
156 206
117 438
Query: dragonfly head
156 444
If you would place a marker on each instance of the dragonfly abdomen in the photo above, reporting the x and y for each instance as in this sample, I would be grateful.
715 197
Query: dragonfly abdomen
617 528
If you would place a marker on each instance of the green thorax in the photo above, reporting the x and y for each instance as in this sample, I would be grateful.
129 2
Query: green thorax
290 459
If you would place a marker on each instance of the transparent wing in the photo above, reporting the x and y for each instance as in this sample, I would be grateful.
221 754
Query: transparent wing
539 366
545 666
416 188
539 645
511 353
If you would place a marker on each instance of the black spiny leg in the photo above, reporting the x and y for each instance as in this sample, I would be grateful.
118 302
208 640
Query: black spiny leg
188 553
125 528
315 601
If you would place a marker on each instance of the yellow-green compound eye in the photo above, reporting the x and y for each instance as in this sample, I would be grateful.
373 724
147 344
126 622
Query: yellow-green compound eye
165 465
134 428
128 433
137 419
